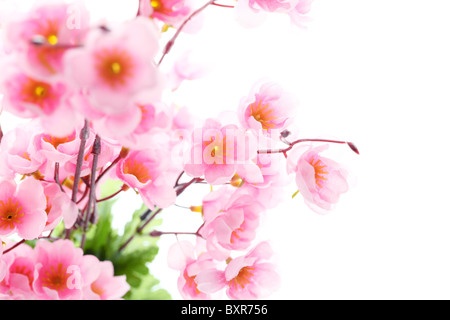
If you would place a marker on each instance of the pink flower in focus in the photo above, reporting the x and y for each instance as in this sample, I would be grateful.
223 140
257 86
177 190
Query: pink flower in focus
247 277
59 206
106 286
181 256
319 180
150 174
267 108
218 151
61 270
251 277
45 34
22 208
115 65
18 282
234 226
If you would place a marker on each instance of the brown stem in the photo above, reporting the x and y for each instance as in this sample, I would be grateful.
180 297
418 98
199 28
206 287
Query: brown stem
110 197
292 144
171 42
84 135
57 176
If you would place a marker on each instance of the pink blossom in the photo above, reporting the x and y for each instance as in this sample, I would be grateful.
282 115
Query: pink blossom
246 277
268 108
148 171
106 286
185 68
234 226
18 152
181 256
43 35
61 270
19 278
22 208
218 151
171 12
319 180
251 276
115 65
29 97
59 206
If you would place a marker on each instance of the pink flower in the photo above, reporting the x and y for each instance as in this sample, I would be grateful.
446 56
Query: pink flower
234 226
29 97
45 34
22 208
181 256
171 12
115 65
18 152
319 180
247 277
61 270
251 277
106 286
267 108
185 68
148 171
217 152
59 206
19 278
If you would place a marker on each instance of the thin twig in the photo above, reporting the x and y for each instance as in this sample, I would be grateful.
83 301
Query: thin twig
292 144
57 177
171 42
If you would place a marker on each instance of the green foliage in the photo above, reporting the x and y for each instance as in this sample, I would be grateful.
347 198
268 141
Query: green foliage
103 241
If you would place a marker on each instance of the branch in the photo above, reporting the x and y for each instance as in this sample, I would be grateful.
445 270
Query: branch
171 42
292 144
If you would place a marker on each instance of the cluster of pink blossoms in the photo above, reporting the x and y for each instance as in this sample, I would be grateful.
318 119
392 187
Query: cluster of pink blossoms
58 270
97 106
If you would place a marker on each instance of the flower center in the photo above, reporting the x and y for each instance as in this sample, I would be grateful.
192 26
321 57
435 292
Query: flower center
10 213
36 92
263 114
55 278
52 39
114 66
56 141
243 278
137 169
190 281
97 289
155 4
319 171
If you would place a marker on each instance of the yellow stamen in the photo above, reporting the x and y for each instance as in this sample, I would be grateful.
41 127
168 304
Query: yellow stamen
155 4
52 39
116 68
39 91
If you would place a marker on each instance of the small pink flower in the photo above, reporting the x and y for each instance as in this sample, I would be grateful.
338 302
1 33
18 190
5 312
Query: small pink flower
181 256
185 68
234 226
22 208
115 65
148 171
19 278
59 206
61 270
320 180
251 277
267 108
45 34
218 151
106 286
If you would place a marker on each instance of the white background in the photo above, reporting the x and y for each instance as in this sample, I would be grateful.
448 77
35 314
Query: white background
373 72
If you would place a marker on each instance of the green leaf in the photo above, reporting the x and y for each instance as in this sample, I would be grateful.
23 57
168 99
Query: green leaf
147 289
